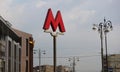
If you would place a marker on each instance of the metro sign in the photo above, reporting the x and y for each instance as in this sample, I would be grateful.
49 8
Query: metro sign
57 22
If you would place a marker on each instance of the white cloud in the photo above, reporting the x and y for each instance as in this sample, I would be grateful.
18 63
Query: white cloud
79 14
5 3
39 4
17 13
20 9
10 12
14 13
75 17
4 7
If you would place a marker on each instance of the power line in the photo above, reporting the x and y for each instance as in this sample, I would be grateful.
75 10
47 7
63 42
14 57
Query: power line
72 56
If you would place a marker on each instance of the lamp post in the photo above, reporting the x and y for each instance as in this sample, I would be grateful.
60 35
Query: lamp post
54 35
74 62
103 27
107 27
100 30
39 56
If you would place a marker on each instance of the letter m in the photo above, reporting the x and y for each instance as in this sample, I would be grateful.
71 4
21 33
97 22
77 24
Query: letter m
57 22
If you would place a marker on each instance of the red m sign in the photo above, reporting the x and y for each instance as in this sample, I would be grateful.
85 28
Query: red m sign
57 22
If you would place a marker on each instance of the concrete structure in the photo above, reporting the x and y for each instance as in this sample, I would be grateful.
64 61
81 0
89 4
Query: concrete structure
63 69
10 48
113 63
44 68
49 68
27 50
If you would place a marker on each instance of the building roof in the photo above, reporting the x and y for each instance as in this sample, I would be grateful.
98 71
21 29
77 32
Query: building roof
5 30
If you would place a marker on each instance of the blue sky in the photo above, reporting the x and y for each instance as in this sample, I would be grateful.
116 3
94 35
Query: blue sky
78 16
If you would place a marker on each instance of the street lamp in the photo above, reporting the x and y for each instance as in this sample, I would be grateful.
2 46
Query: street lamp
105 27
39 55
74 59
54 35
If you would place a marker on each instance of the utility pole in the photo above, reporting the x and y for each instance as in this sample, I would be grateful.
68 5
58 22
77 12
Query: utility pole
74 60
73 64
39 56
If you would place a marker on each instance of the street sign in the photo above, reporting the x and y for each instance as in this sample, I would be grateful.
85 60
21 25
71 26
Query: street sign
57 22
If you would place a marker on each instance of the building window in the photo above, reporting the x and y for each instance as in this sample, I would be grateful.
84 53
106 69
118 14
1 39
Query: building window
26 65
9 49
19 59
15 66
26 47
19 55
15 58
9 56
19 68
15 52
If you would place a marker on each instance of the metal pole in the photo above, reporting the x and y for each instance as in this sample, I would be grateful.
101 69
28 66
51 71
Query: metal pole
101 36
54 52
73 64
39 60
104 27
106 52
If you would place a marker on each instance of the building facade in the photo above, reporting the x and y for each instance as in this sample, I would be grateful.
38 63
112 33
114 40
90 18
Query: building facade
113 63
44 68
10 48
27 45
61 68
49 68
16 49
